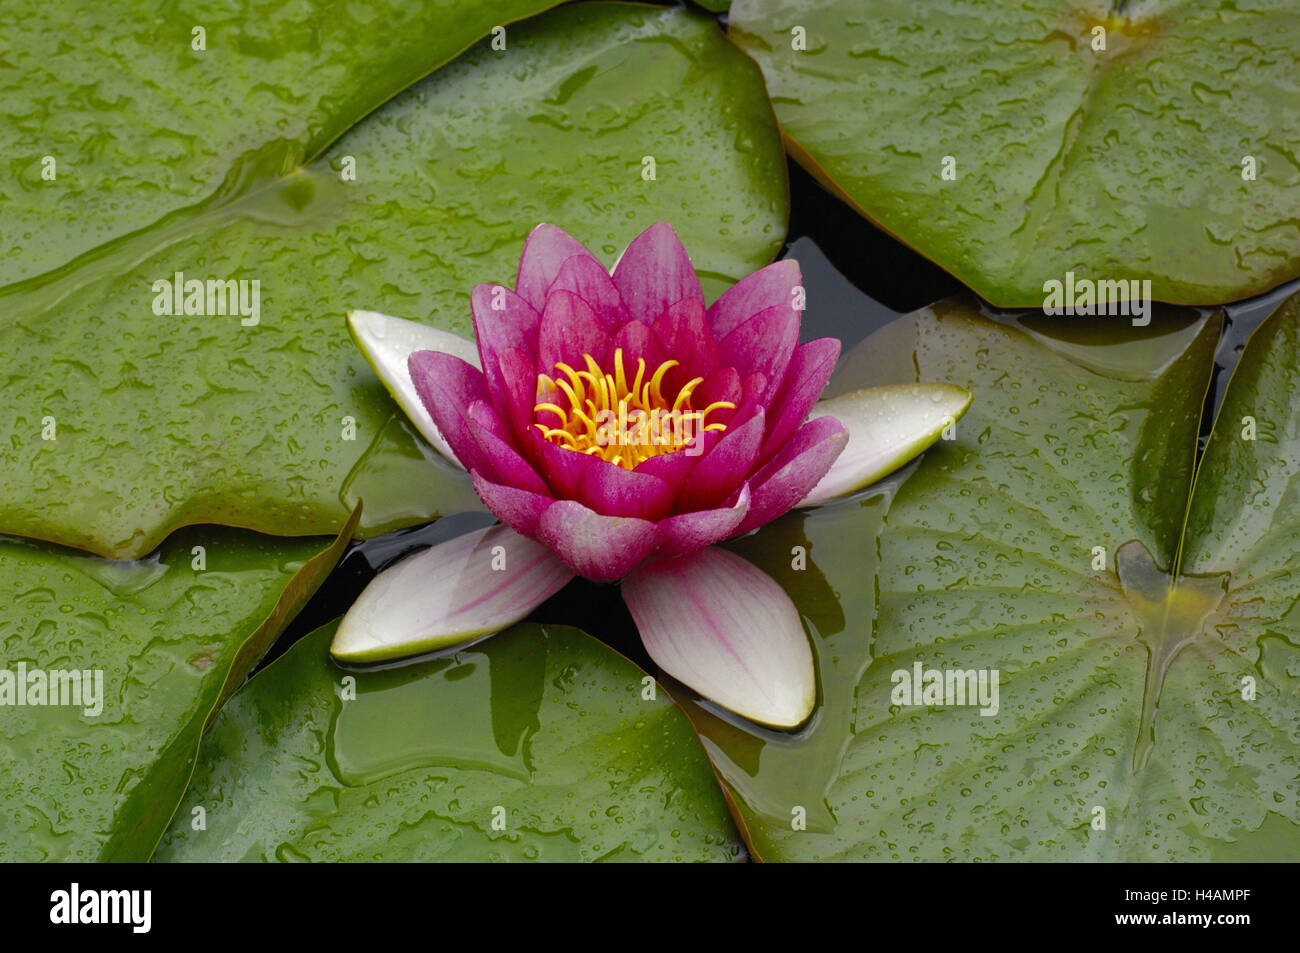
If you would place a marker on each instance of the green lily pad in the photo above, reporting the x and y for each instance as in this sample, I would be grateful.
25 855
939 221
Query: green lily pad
123 424
171 642
1143 712
1170 155
152 117
535 744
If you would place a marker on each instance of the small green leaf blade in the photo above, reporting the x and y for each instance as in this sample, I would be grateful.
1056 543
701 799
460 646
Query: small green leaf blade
1247 486
1244 521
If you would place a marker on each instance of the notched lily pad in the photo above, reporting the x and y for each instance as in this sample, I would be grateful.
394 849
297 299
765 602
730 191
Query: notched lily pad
157 646
164 420
1146 703
158 110
537 744
1014 143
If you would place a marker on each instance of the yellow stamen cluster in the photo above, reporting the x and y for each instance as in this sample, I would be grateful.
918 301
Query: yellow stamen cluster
621 421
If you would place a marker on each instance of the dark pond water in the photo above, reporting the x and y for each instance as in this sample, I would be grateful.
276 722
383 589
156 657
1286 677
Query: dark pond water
858 279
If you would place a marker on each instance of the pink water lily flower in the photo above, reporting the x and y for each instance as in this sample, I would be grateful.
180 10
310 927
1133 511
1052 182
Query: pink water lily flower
618 426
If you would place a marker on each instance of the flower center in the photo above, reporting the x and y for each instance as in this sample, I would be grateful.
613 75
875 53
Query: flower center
621 421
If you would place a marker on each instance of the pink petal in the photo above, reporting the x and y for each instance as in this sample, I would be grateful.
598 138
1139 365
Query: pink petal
684 336
570 330
752 394
788 477
805 380
561 468
514 388
751 401
546 250
766 288
723 627
724 384
602 548
610 490
519 509
691 531
457 591
588 279
673 468
502 320
637 341
501 461
483 417
447 386
654 272
764 344
724 467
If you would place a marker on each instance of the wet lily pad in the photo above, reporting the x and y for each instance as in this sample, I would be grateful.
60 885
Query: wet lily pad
535 744
997 141
122 424
171 638
1148 701
158 111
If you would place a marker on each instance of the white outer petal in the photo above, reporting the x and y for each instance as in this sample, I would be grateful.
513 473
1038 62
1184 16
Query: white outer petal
887 427
448 595
722 626
387 342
